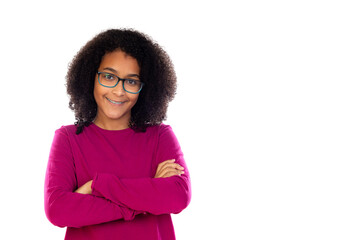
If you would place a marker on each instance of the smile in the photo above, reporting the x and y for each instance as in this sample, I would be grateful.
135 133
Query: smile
114 102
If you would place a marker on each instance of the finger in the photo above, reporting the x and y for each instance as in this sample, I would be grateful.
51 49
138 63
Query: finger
169 174
172 173
167 165
179 167
164 170
171 170
172 165
165 162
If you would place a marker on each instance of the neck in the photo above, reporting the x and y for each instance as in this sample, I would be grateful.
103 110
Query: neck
111 124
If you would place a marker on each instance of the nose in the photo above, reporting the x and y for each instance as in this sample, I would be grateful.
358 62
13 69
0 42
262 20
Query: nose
119 89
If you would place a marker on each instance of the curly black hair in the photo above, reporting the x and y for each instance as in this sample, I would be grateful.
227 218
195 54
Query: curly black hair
156 71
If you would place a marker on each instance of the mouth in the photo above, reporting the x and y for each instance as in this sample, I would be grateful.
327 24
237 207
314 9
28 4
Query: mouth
114 102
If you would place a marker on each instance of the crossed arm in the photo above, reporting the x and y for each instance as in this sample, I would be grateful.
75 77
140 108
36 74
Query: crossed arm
165 169
107 197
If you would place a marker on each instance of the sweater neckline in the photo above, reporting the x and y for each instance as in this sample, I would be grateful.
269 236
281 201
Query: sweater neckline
110 131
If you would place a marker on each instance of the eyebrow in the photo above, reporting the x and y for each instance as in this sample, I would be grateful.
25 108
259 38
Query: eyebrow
114 71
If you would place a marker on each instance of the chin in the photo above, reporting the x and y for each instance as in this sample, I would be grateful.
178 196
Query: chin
117 116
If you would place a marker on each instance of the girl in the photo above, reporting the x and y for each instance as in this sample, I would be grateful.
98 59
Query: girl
118 172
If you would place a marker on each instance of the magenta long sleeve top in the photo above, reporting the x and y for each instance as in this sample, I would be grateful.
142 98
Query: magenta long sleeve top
127 202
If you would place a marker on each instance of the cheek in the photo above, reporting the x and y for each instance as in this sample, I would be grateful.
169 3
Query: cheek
98 92
134 98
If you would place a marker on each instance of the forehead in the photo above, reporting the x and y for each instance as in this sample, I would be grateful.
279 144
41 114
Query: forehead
120 62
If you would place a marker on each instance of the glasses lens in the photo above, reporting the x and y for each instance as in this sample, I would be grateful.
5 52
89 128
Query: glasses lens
131 85
107 79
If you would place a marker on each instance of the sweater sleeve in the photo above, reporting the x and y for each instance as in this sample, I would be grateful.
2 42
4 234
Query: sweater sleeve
153 195
64 207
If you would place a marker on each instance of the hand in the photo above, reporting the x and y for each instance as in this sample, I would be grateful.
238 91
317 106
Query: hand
168 168
85 189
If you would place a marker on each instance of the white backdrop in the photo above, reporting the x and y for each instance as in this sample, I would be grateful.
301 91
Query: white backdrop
267 110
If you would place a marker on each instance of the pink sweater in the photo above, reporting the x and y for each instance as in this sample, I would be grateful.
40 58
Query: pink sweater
127 202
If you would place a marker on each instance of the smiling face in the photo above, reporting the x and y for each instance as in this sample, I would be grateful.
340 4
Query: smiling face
114 104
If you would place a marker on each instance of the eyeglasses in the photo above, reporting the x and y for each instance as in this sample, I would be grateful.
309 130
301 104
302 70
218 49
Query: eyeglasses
110 81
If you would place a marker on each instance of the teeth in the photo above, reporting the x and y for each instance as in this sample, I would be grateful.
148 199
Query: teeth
114 101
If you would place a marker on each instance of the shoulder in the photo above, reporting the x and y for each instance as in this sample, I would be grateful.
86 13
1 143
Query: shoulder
161 132
67 130
159 129
166 135
62 137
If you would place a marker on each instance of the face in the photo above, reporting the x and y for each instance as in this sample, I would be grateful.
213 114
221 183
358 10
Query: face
114 104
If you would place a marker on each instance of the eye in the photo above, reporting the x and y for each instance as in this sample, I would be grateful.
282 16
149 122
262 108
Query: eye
108 76
131 82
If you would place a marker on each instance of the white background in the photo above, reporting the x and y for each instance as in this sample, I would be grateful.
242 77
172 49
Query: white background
267 110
